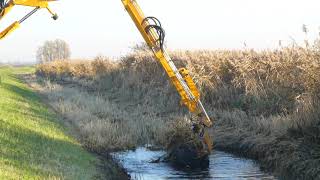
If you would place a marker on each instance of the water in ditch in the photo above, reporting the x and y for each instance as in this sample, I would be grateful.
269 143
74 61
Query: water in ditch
222 166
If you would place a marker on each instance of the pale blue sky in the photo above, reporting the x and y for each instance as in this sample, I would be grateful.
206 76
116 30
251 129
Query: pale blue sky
103 27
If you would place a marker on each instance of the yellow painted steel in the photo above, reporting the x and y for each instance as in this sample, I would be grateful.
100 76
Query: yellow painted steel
30 3
188 79
190 96
137 16
191 104
9 29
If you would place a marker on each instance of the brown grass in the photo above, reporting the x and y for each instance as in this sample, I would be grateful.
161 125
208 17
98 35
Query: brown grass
266 104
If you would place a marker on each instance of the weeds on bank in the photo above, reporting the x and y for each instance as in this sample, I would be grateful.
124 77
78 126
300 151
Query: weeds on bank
267 91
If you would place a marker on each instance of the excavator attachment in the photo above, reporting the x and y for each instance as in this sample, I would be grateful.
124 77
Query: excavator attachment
207 140
7 5
153 34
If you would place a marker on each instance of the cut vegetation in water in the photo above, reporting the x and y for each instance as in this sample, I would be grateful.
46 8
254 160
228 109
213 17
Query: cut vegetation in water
222 166
266 104
255 103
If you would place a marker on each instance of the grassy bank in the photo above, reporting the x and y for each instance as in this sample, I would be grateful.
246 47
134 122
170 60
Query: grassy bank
265 104
33 142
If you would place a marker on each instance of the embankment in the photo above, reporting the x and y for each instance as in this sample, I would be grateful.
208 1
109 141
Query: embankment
34 142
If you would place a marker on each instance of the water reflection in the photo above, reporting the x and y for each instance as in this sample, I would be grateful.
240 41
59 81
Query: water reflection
222 166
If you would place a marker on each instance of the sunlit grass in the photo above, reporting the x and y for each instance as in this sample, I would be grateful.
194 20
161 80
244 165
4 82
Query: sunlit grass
33 143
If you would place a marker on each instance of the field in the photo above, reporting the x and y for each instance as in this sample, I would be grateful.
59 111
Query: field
34 143
265 104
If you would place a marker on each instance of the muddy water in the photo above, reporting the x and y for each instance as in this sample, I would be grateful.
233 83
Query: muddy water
222 166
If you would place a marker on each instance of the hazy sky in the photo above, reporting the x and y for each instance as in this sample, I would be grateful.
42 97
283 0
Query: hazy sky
102 27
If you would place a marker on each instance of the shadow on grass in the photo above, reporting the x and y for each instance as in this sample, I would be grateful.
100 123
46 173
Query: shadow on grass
30 151
15 77
22 94
36 108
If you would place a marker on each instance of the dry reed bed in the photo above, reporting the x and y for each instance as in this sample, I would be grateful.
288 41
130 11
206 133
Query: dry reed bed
266 104
105 125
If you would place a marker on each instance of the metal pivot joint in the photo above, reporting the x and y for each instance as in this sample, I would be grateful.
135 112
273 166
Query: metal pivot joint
7 5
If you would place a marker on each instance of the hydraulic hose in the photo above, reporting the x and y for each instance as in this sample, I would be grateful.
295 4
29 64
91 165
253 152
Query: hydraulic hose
155 24
2 4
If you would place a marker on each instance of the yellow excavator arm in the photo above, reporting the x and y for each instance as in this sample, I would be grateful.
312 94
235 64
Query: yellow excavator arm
7 5
153 33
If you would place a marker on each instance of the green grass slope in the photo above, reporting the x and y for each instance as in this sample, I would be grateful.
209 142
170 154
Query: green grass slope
33 144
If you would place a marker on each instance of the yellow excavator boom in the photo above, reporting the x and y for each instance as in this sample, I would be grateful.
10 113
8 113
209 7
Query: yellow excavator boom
153 34
6 7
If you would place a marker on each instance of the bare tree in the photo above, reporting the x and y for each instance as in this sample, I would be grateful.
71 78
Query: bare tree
53 50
